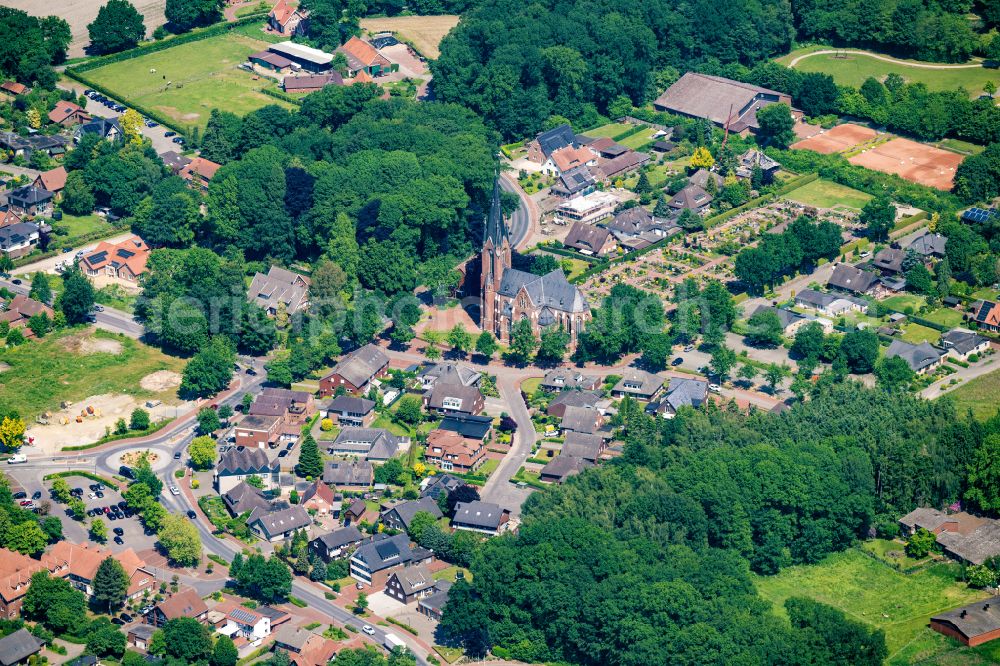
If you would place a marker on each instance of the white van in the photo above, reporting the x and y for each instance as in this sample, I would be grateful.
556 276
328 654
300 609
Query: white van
17 458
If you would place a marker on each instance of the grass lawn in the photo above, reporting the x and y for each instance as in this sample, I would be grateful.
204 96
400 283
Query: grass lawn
900 302
892 551
639 139
986 293
979 395
44 372
451 574
384 421
252 9
609 130
855 68
191 79
449 654
79 225
960 146
488 467
945 317
531 385
873 593
827 194
915 333
215 509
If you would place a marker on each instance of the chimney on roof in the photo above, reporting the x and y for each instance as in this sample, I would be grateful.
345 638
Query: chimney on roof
963 613
986 607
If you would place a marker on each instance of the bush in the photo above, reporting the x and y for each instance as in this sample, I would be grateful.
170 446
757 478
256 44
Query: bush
326 425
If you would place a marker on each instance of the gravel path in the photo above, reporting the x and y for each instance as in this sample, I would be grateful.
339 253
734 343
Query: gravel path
876 56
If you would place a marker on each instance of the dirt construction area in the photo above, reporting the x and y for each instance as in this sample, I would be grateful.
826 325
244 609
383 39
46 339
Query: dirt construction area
424 32
78 13
916 162
837 139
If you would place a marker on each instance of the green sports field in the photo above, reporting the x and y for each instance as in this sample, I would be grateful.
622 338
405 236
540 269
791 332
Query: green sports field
827 194
186 82
852 69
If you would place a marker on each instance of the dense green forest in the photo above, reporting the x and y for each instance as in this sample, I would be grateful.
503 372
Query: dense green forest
647 560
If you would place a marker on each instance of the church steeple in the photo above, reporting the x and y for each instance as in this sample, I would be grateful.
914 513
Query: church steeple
496 228
494 260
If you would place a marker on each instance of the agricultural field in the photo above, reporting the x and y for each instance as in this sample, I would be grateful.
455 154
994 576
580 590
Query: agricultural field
855 67
424 32
827 194
75 364
185 82
979 395
870 591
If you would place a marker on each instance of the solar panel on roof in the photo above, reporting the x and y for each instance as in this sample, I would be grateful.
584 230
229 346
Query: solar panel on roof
387 549
243 615
978 214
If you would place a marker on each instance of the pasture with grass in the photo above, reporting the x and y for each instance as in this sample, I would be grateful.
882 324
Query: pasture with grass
185 82
979 395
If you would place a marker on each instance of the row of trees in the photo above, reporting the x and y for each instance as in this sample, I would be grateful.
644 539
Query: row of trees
799 247
119 26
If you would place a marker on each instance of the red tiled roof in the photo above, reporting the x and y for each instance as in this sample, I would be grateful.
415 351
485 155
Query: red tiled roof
14 87
199 165
53 180
64 110
132 252
363 51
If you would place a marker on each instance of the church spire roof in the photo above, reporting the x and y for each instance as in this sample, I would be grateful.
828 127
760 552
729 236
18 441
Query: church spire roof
496 227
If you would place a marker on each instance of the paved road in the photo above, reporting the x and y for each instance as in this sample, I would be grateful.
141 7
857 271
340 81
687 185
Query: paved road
519 223
498 488
942 386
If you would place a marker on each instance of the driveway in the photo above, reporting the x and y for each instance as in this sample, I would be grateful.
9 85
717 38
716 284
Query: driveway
160 142
964 375
49 265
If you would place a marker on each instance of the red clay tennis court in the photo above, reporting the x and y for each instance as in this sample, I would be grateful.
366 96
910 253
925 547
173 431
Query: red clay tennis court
837 139
916 162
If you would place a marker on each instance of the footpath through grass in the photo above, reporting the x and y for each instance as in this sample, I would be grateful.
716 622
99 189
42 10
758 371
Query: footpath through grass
871 592
43 373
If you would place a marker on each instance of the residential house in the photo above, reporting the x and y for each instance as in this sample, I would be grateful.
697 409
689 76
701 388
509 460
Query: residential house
16 571
440 484
293 407
967 538
984 313
636 228
410 584
561 468
833 305
287 20
567 378
242 622
432 607
374 444
139 636
53 180
355 511
304 647
117 263
450 451
567 399
791 322
355 475
447 372
30 200
319 499
970 625
590 240
681 392
606 147
14 88
693 198
84 561
889 260
280 289
929 245
380 556
400 516
578 181
619 167
962 343
854 280
470 426
337 543
348 410
105 128
542 146
585 446
702 177
300 56
567 158
19 239
184 603
638 384
20 309
257 431
483 517
244 498
589 208
724 102
356 371
281 524
240 463
174 161
751 159
25 146
363 57
18 647
921 358
199 173
310 83
454 399
581 419
68 114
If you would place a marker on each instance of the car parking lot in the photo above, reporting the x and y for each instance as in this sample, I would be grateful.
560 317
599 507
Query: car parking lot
125 530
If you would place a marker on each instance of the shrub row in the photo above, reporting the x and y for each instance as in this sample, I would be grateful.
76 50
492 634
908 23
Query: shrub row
153 427
572 254
87 475
282 96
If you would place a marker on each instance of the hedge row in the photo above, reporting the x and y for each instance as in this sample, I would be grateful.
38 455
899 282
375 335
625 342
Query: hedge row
86 475
166 43
572 254
634 129
297 101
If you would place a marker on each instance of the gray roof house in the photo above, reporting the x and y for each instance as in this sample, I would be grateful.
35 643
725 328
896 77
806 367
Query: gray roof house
433 606
383 552
568 399
470 426
439 484
278 288
638 384
356 370
369 443
349 410
586 447
333 544
568 378
589 239
920 358
106 128
478 516
929 245
573 182
410 584
400 516
243 498
693 198
281 524
240 463
830 304
681 392
962 343
562 467
962 536
787 318
15 648
455 398
447 372
746 162
849 278
358 474
580 419
889 260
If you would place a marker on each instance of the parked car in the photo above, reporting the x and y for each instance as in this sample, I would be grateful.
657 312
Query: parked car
125 616
677 361
169 134
99 494
93 487
177 455
36 495
192 515
688 348
122 505
251 372
179 140
368 629
714 388
119 531
20 494
98 308
26 503
112 516
283 453
15 281
174 490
